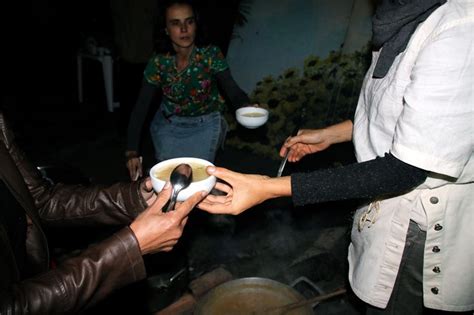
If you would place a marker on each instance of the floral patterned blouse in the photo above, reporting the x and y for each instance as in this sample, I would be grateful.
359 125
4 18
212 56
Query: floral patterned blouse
192 91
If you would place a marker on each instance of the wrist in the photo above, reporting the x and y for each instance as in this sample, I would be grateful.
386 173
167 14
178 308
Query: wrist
277 187
329 135
338 133
136 231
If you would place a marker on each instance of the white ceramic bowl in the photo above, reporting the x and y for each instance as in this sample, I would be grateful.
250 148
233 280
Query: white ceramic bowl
206 184
251 117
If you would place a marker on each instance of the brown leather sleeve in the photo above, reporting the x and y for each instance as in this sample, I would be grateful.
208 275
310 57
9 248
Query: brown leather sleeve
78 205
80 281
75 204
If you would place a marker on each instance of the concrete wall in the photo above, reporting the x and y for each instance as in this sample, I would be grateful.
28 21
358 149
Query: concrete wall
280 34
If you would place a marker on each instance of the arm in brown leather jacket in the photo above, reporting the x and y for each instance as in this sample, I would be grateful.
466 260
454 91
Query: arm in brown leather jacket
76 204
78 282
83 280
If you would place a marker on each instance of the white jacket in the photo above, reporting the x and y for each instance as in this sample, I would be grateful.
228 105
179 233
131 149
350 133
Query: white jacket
422 112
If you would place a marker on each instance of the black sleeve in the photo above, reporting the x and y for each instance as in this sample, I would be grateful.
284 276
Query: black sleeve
234 93
138 115
368 180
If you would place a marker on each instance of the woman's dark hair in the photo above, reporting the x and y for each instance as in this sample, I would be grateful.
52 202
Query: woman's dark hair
163 43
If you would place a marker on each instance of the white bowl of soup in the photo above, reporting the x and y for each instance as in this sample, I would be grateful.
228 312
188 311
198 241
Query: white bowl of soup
251 117
201 181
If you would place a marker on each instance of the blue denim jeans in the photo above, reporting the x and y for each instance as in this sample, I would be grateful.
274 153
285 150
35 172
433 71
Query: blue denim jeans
177 136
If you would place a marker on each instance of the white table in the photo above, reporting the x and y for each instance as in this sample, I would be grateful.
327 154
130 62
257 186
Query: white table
108 72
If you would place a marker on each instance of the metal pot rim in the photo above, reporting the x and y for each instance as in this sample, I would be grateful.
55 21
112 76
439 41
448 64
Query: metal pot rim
232 293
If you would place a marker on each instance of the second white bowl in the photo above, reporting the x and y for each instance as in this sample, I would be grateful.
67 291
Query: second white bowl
251 117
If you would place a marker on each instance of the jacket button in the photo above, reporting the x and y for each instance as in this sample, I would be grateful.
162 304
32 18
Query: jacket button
435 290
436 249
434 200
436 269
438 227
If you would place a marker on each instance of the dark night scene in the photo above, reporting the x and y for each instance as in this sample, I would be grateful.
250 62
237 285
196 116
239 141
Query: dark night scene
96 93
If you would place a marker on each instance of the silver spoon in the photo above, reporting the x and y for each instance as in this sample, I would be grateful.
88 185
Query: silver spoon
294 133
180 178
283 163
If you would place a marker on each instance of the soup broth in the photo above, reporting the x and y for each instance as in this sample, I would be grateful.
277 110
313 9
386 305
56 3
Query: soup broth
199 172
254 114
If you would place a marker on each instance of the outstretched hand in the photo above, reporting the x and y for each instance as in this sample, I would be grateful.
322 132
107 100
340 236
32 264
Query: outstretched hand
158 231
307 141
243 191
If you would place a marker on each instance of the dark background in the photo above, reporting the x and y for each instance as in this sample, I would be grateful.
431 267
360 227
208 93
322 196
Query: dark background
40 40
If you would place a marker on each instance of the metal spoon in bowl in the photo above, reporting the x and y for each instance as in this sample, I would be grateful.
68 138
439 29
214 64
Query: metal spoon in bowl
180 178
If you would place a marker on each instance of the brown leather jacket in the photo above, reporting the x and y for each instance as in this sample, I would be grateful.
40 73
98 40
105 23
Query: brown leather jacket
80 281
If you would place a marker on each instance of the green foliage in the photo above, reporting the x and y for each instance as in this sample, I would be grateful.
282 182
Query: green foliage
327 90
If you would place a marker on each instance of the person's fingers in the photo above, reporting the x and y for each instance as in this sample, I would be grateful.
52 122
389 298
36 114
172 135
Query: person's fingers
291 157
148 186
216 208
223 187
211 207
296 153
291 152
131 170
299 155
304 136
293 140
163 197
185 208
134 168
284 147
283 150
222 173
294 158
139 169
148 191
216 199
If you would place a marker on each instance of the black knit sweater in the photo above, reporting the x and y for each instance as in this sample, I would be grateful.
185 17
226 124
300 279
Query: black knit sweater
384 176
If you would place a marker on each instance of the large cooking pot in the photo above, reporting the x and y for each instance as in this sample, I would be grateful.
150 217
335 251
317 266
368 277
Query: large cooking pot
250 296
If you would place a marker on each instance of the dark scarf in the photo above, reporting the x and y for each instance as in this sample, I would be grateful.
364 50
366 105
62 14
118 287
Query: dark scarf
393 24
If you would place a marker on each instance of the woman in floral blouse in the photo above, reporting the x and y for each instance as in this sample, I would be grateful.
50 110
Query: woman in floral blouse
187 73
